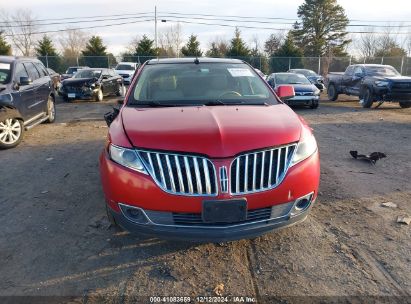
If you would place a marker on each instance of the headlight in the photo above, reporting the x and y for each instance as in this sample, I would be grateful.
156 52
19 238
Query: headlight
93 85
382 83
305 148
127 157
317 92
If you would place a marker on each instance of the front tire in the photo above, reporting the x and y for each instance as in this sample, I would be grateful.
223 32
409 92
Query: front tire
11 133
332 92
51 110
314 104
367 98
405 105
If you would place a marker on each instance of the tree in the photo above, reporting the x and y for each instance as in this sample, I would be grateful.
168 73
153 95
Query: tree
273 43
281 60
47 53
72 43
170 41
218 48
21 28
322 26
238 47
367 44
45 47
145 47
95 47
5 48
95 54
192 48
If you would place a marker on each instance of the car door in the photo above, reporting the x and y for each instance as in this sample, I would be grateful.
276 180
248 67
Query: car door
35 105
45 86
346 80
356 80
23 95
107 82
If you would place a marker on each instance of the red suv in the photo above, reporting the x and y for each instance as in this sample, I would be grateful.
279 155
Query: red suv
204 150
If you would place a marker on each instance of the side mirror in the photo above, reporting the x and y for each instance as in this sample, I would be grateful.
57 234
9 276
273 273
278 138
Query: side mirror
110 116
285 92
25 81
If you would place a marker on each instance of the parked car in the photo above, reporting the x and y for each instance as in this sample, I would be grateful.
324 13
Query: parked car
204 150
371 82
26 98
305 92
92 83
71 71
55 77
312 76
126 70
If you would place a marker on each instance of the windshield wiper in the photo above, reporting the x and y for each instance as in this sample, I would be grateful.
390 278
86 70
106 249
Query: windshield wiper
151 103
216 102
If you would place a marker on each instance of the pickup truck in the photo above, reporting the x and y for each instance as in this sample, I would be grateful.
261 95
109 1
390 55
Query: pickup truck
371 83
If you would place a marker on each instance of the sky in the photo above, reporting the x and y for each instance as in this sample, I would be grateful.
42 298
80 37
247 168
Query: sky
118 37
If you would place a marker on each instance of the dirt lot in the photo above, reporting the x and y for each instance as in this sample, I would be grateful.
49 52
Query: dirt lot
56 241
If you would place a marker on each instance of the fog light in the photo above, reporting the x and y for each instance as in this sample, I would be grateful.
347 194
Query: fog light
301 204
134 214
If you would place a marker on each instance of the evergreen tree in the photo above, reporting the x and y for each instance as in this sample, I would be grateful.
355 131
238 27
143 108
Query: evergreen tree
322 26
47 53
45 47
5 48
145 47
280 61
238 47
95 54
217 49
192 48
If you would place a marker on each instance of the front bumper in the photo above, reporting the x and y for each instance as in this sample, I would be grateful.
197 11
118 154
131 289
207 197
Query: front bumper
133 189
159 224
303 100
391 95
78 95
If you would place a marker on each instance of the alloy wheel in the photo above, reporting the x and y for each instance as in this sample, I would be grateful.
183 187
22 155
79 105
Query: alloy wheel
10 131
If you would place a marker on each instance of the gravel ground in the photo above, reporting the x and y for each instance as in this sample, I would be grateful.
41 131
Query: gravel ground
55 239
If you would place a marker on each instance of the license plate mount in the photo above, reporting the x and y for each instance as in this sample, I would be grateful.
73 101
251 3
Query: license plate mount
224 211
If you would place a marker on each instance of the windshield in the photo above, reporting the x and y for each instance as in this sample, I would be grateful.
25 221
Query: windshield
125 67
72 70
290 78
88 74
381 71
199 84
4 73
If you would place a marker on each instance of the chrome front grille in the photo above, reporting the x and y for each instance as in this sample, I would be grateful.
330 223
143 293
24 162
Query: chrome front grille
261 170
181 174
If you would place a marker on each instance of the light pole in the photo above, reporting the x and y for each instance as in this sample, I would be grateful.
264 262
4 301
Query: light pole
155 26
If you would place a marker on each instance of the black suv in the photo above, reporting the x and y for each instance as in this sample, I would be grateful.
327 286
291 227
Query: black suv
26 98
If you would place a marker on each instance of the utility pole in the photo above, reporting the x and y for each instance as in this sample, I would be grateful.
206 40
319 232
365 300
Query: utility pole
155 26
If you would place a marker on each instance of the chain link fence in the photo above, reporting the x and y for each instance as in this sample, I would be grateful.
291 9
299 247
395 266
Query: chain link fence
267 65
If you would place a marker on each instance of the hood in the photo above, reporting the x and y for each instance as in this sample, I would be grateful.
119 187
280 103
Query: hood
78 81
219 131
397 78
304 87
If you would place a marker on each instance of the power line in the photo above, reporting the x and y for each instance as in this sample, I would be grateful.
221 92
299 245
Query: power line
81 28
71 22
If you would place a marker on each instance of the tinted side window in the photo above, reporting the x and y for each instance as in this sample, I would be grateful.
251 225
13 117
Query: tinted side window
358 70
20 71
31 69
41 69
349 71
